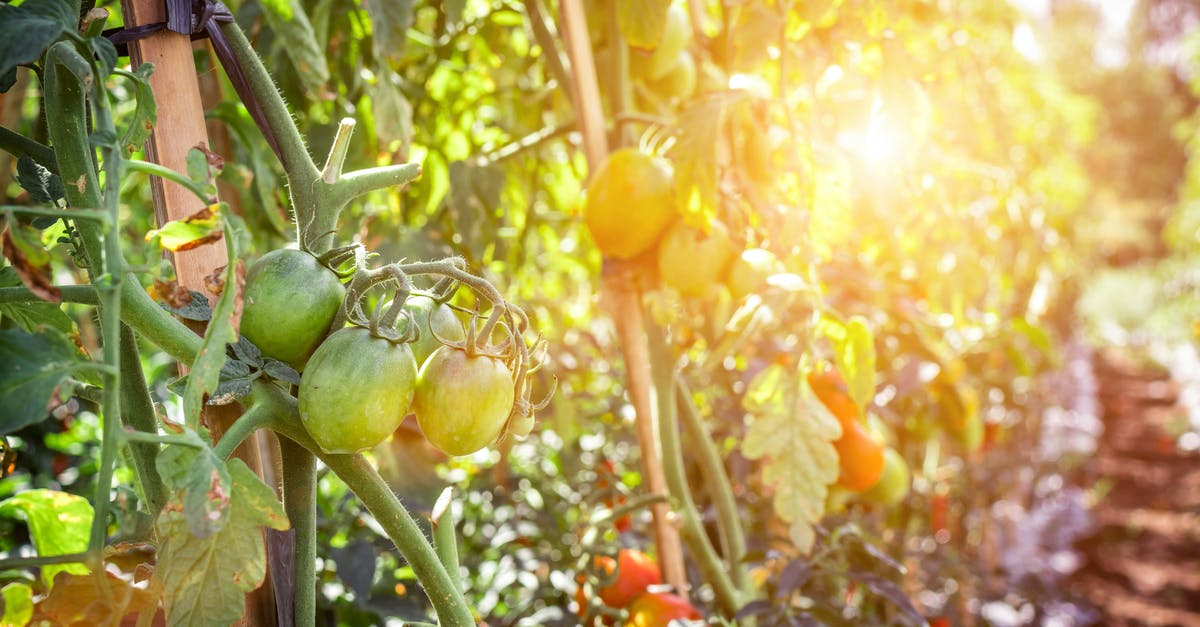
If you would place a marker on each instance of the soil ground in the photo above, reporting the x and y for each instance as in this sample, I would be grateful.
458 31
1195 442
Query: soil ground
1142 563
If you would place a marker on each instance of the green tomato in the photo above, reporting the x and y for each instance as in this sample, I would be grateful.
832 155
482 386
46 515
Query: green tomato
431 318
356 390
680 79
290 301
676 36
462 401
691 261
749 271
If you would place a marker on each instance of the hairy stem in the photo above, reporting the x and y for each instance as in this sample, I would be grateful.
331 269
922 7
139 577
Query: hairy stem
163 172
253 419
137 412
662 367
82 294
300 502
733 538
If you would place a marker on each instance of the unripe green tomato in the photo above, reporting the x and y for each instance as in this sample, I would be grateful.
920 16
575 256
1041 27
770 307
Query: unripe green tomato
356 390
430 319
677 35
693 262
462 401
290 300
750 270
893 485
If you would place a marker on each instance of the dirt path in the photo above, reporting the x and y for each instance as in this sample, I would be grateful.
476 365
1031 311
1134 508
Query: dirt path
1143 561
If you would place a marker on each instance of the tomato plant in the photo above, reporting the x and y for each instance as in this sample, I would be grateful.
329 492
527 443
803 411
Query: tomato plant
692 261
435 320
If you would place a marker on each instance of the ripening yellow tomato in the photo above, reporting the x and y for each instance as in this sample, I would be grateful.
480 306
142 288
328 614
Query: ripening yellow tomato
630 202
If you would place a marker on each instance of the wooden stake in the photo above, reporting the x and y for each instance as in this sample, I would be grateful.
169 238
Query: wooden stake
181 127
622 291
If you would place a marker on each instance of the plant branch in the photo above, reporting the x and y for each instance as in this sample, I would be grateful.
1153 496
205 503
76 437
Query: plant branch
300 502
98 216
662 367
137 412
163 172
19 145
17 563
256 417
733 538
548 42
82 294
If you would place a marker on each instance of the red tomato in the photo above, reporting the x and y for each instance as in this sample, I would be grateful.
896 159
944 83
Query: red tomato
636 571
658 609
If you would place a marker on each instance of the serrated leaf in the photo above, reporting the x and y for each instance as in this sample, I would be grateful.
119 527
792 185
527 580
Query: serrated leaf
18 604
793 433
44 187
195 230
76 600
247 352
59 524
196 309
34 366
22 246
204 579
222 329
30 316
695 156
281 372
28 29
642 21
145 115
390 20
201 482
230 390
299 42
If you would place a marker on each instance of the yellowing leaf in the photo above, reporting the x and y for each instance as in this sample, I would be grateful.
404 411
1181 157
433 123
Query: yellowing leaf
76 601
204 579
195 230
18 604
793 434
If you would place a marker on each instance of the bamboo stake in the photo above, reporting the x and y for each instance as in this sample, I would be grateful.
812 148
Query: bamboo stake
622 291
181 127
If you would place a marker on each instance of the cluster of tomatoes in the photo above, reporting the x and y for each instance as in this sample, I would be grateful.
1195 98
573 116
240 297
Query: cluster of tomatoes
630 212
867 466
358 384
630 582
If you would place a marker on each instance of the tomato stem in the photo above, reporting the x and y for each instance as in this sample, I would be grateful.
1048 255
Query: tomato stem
300 503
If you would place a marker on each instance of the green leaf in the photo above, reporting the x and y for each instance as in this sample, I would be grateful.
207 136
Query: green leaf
59 524
106 53
204 578
31 316
299 42
856 360
18 604
793 434
206 368
695 156
390 20
28 29
642 21
393 113
44 187
145 115
34 366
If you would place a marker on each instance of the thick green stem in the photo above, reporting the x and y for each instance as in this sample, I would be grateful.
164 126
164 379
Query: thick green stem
297 162
445 541
253 419
82 294
662 368
137 412
729 523
17 144
163 172
365 482
156 324
300 502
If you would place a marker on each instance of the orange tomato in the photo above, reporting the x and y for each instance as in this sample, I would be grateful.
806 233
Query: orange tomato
860 458
831 390
630 202
658 609
636 571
